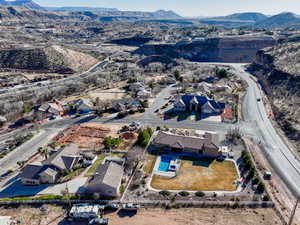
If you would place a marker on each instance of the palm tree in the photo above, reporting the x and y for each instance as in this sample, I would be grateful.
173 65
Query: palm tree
44 151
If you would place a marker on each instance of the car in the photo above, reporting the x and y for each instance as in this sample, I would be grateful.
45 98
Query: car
156 111
98 221
259 99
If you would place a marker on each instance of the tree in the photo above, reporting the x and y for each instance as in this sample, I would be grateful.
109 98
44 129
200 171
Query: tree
144 137
44 152
221 73
110 142
177 75
261 187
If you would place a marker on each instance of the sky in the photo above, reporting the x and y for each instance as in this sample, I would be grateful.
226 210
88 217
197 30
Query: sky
190 8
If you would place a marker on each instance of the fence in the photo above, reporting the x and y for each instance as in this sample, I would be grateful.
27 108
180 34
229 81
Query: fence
153 203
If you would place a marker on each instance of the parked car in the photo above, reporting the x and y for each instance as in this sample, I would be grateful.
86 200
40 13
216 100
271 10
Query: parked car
259 99
98 221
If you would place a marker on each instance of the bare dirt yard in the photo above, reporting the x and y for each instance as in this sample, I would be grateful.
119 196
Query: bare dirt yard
55 216
200 175
88 135
198 217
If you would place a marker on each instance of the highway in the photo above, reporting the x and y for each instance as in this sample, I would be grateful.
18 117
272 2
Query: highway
276 151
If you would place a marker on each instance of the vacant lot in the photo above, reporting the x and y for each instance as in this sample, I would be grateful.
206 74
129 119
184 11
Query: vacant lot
110 94
201 175
87 135
198 217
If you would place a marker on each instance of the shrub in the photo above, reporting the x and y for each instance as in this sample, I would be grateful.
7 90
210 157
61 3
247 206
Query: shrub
122 189
165 193
255 181
184 193
131 112
266 198
261 187
142 110
110 142
200 194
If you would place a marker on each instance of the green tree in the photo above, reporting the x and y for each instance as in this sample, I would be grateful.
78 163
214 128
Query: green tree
261 187
144 137
110 142
44 152
177 75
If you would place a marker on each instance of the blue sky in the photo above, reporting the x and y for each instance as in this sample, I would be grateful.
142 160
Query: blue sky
188 7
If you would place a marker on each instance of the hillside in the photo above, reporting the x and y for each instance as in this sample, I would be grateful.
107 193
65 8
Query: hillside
237 19
50 59
23 3
278 68
23 14
282 20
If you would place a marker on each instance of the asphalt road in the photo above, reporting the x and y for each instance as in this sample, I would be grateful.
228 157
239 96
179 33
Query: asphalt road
276 151
26 150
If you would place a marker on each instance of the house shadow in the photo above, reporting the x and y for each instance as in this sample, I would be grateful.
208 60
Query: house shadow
125 213
12 179
203 162
16 189
203 116
86 119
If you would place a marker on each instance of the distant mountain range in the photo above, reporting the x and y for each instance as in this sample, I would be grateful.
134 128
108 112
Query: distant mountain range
255 20
282 20
78 9
250 19
24 3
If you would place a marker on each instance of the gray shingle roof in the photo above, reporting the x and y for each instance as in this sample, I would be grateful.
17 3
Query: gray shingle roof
176 141
64 158
109 173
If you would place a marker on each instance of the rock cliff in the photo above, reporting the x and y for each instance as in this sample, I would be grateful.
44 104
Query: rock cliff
278 69
227 49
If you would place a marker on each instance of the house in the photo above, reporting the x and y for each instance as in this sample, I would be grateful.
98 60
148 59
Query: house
65 159
136 86
197 103
107 179
126 104
84 105
51 109
207 145
144 94
48 171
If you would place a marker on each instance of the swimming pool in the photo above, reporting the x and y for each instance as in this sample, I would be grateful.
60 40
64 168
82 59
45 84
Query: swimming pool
165 163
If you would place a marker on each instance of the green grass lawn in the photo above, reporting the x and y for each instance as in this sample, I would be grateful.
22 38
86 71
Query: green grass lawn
91 171
200 175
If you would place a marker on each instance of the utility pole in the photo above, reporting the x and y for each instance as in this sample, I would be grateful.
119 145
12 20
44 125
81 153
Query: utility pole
293 212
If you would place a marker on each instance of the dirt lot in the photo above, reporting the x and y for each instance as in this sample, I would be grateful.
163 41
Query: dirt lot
31 215
201 175
198 217
88 135
55 216
110 94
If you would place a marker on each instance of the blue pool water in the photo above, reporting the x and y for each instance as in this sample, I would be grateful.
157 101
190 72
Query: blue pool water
164 163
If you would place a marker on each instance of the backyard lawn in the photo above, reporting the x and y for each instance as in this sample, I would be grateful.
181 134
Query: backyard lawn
200 175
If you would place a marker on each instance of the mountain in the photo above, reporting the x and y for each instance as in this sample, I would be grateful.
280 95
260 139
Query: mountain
235 20
166 14
249 16
282 20
78 9
55 59
24 3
